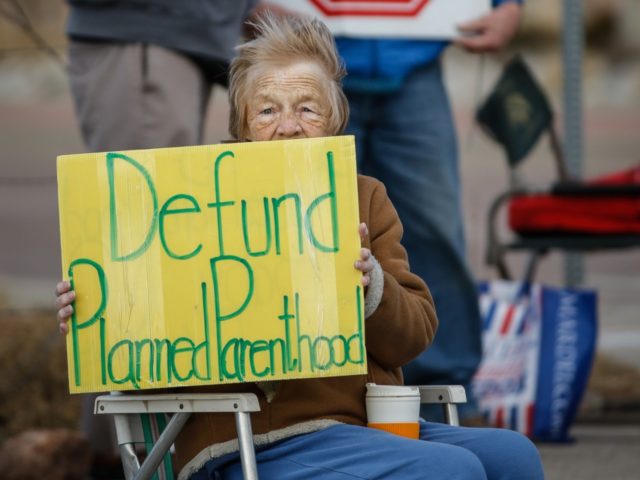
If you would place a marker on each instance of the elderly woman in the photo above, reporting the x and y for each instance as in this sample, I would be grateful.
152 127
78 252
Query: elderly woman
285 84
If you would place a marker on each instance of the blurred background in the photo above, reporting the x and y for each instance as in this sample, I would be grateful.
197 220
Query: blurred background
37 123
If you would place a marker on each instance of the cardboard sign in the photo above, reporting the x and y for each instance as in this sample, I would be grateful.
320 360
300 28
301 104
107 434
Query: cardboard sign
212 264
434 19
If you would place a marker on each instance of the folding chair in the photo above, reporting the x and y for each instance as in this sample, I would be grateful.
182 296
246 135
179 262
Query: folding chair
142 419
448 396
516 114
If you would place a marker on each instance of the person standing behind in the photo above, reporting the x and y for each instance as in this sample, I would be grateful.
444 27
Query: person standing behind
141 74
405 136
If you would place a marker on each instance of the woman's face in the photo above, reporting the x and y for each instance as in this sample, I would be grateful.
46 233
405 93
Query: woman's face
288 102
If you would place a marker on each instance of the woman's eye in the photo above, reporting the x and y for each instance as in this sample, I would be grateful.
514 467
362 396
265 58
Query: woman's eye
307 110
267 111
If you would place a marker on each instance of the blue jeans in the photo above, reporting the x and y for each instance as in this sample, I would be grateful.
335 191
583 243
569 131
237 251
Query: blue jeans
351 452
407 140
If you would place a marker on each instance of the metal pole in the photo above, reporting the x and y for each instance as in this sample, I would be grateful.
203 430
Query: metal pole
573 44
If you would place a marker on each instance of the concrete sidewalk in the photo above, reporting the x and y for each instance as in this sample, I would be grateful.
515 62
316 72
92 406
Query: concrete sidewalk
600 450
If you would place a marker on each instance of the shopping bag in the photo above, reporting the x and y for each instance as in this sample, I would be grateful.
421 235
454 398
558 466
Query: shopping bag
538 349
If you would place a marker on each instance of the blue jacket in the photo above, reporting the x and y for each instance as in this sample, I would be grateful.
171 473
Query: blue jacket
378 65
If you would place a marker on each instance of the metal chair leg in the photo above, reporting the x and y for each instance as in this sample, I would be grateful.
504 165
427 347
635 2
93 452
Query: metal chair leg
245 441
532 265
130 462
162 445
450 411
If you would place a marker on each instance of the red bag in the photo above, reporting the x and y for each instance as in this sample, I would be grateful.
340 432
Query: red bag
609 204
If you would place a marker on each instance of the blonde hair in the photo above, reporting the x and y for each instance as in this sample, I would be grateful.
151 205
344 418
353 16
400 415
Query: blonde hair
284 40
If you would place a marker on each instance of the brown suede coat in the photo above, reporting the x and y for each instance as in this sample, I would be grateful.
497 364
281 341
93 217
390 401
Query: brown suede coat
401 327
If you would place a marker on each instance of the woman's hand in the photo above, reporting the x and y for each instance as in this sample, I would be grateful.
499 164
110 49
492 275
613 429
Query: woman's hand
365 263
64 299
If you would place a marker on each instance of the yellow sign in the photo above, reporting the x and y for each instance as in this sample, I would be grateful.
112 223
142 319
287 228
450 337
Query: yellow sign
212 264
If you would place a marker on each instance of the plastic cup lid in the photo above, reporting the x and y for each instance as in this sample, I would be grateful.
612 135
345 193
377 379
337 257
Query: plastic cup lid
374 390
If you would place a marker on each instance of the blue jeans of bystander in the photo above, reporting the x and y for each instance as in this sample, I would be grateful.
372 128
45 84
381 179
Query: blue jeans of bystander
407 139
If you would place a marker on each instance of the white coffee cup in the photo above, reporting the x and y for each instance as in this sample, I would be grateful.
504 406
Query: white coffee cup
394 408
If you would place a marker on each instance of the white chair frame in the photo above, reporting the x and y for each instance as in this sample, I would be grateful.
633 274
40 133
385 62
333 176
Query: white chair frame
127 410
